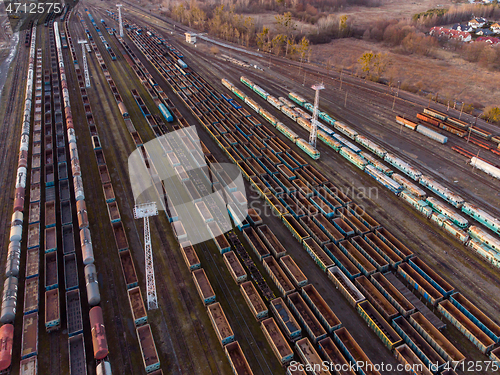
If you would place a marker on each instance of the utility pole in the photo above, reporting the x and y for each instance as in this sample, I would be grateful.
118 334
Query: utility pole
314 129
461 109
345 101
120 18
303 83
341 71
145 211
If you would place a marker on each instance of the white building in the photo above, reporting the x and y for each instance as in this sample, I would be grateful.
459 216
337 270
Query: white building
190 38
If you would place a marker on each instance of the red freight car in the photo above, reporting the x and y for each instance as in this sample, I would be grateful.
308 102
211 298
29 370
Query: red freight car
6 337
99 340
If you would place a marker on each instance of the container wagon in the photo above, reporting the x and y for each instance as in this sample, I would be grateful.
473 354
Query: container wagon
390 292
285 319
234 266
346 287
221 325
237 359
380 263
279 277
353 352
470 330
137 306
379 325
77 359
29 366
387 310
74 313
203 286
254 301
437 340
306 317
310 357
418 344
323 312
277 341
148 349
293 271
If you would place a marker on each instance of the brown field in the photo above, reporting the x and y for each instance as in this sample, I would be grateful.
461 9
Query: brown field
448 75
389 9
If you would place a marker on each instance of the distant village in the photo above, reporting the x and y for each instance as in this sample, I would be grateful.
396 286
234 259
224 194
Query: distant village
477 29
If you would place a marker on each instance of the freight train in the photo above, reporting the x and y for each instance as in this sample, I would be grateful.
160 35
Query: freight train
405 189
380 239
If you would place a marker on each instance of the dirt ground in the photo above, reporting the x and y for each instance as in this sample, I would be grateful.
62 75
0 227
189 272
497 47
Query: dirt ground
443 75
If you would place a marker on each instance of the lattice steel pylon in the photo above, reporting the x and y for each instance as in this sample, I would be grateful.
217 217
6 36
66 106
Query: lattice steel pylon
145 211
120 18
314 123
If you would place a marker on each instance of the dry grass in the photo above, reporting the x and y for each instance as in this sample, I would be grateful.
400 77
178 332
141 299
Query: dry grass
449 75
389 9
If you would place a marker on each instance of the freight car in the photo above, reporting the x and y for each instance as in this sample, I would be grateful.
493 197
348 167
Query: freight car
353 352
310 324
221 325
52 310
482 216
74 313
379 325
237 359
418 344
346 287
335 358
234 266
390 292
293 271
310 356
276 340
410 360
273 244
190 256
29 344
203 286
77 358
431 276
285 319
323 312
437 340
474 333
6 339
253 300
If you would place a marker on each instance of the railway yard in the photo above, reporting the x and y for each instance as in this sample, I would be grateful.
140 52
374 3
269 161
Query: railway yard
381 246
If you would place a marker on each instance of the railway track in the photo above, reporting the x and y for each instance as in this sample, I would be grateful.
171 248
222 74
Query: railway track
173 263
9 134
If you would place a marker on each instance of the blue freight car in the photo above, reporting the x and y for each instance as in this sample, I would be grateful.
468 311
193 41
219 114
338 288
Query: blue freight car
182 64
165 112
